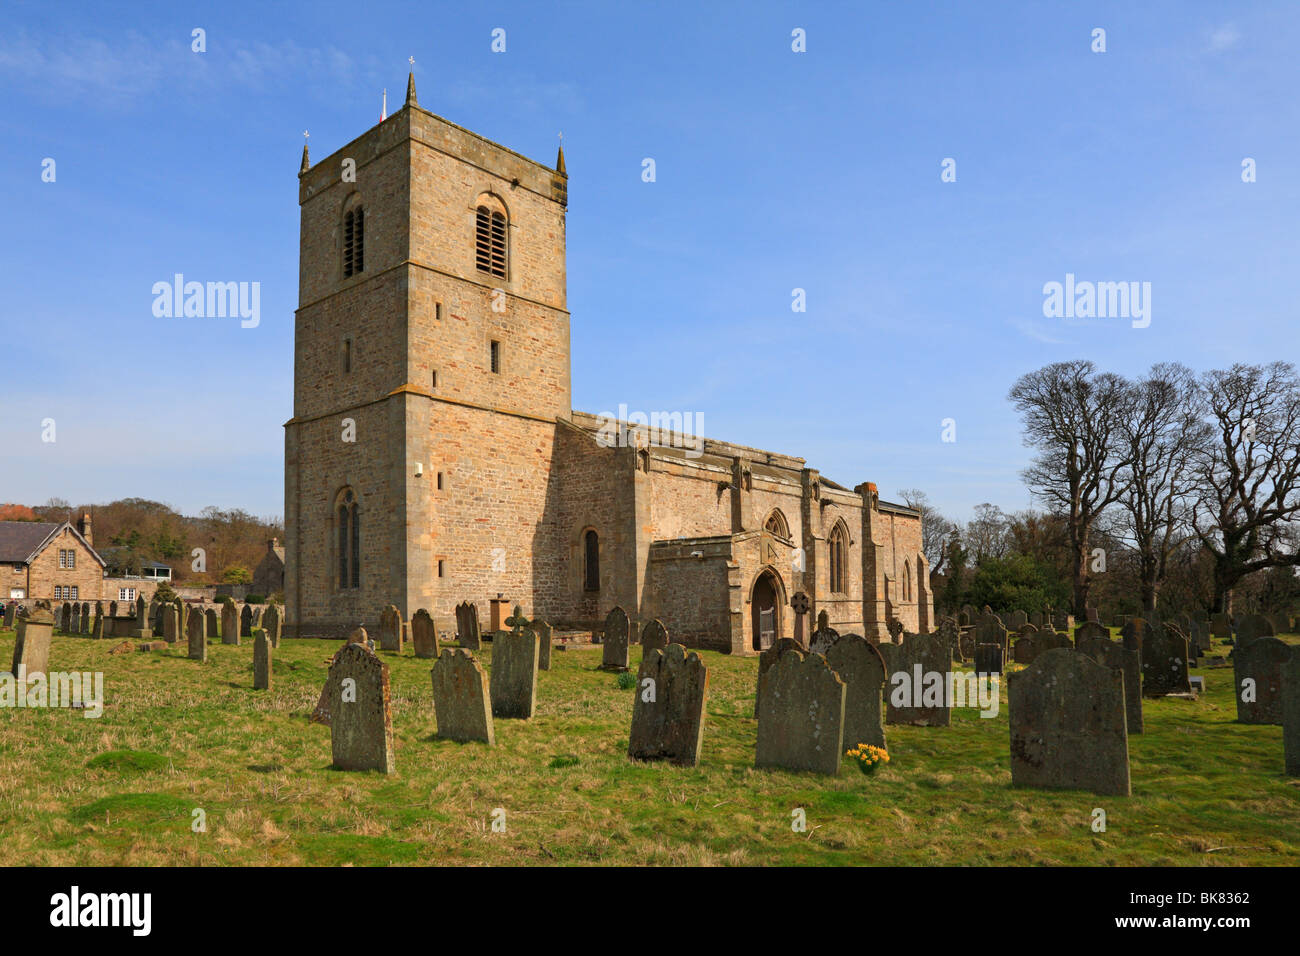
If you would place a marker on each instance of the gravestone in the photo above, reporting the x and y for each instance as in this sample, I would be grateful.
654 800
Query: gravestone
197 634
1036 619
801 714
424 636
171 628
10 611
1134 633
97 629
800 604
668 709
1026 649
32 645
155 615
359 636
213 622
1164 662
85 619
360 714
62 616
460 697
766 660
1091 631
74 621
390 629
1262 662
654 635
142 628
966 645
261 661
922 663
271 623
821 640
1026 629
963 619
514 673
989 659
949 634
543 632
1221 626
1281 623
1091 614
614 650
1018 620
859 665
112 609
229 623
989 630
889 654
1129 663
467 625
1068 728
246 621
1291 715
1250 629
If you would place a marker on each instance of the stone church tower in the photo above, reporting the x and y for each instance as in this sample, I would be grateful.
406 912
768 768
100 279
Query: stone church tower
434 455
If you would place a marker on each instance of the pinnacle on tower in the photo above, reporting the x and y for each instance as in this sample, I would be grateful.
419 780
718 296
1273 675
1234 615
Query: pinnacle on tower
559 162
410 90
306 163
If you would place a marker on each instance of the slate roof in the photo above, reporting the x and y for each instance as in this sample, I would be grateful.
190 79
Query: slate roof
19 540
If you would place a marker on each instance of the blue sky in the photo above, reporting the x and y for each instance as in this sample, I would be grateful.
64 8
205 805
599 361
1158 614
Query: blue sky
776 170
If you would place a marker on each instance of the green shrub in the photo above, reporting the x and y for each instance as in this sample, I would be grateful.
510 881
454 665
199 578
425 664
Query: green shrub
626 680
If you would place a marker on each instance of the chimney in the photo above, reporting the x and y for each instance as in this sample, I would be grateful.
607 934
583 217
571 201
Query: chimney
272 544
83 526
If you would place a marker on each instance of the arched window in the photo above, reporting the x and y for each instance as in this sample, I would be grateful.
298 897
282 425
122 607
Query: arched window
839 552
354 242
591 561
490 241
776 524
348 540
907 582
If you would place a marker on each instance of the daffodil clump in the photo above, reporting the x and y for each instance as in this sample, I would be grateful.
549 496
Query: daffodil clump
868 757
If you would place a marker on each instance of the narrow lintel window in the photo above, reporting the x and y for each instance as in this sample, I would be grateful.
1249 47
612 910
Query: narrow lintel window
435 379
591 562
354 242
440 481
347 355
496 357
437 311
490 241
439 567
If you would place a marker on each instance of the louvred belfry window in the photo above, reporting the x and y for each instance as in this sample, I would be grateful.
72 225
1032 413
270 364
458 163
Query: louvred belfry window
354 242
490 242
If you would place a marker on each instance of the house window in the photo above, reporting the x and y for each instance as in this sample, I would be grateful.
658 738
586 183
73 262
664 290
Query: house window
490 241
838 552
126 594
495 357
348 541
591 562
67 558
74 591
354 242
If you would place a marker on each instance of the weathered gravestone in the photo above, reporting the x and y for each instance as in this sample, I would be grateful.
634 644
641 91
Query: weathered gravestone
213 623
966 644
1091 614
155 616
614 650
74 621
1026 649
246 621
10 611
888 653
261 661
390 629
858 663
543 632
97 629
171 624
467 625
668 710
62 615
142 628
229 623
32 645
1281 623
1018 620
918 683
989 630
1257 671
359 636
361 720
821 639
1116 656
766 659
801 714
1164 662
1090 631
460 697
272 623
1068 725
963 619
196 633
1221 626
1291 715
989 659
112 609
85 619
1134 633
654 635
424 635
950 634
1250 629
514 672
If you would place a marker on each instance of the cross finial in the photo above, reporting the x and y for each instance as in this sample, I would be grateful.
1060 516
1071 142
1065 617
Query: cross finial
306 135
517 620
411 60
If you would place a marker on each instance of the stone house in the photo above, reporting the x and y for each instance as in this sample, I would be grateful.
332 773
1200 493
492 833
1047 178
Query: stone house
49 560
268 576
434 455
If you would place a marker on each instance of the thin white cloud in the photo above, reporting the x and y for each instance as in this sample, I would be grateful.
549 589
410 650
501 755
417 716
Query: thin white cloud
1223 38
1039 331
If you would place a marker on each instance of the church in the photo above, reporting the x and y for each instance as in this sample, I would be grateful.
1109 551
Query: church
434 455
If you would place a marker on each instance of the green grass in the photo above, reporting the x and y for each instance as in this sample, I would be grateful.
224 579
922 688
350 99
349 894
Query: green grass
177 736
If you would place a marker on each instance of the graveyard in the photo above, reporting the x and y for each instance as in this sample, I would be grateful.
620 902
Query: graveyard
178 736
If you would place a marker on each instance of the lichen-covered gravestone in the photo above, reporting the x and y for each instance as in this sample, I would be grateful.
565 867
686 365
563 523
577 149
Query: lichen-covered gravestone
918 684
1068 725
390 629
821 639
261 660
1257 672
246 621
1129 663
360 714
801 714
229 623
272 623
543 632
424 635
765 661
654 635
467 632
668 710
460 697
1291 715
514 672
860 666
171 627
32 645
1164 662
614 649
950 634
1090 631
1250 629
989 630
989 659
196 632
213 623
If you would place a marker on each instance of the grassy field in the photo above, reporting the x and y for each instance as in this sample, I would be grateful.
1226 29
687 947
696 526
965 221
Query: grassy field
177 736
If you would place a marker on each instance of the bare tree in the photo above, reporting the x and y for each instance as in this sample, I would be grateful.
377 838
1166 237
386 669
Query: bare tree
1249 474
1164 434
988 533
1072 414
935 528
